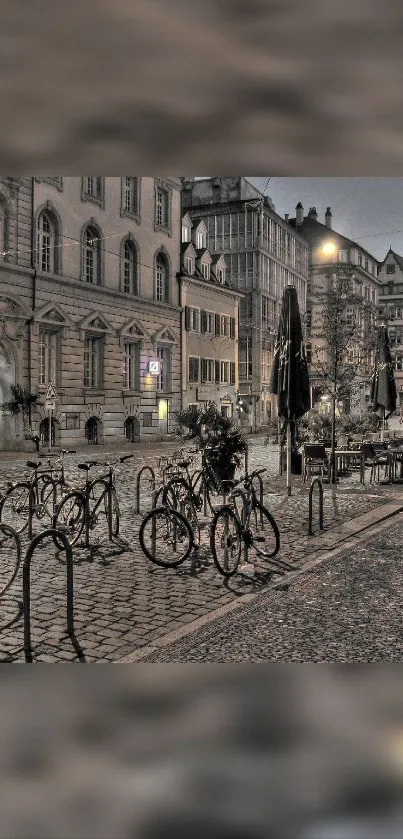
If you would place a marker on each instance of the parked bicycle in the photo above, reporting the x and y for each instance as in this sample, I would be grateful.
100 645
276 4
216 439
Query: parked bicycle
82 508
199 491
166 537
36 495
242 523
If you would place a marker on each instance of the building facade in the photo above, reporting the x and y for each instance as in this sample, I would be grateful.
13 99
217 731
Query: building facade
330 251
91 270
210 313
390 312
263 254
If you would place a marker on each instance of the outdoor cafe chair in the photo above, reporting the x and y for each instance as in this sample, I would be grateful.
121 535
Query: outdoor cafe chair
373 459
316 461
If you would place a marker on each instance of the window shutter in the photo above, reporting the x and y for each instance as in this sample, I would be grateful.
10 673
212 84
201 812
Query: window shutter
203 374
232 328
217 324
232 372
217 371
187 317
203 321
197 364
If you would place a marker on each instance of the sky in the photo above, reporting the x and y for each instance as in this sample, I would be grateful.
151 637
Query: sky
368 210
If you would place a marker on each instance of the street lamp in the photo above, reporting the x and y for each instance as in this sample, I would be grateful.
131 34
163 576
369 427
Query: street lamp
329 248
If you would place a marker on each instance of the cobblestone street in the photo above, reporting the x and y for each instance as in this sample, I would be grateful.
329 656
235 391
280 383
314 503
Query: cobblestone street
122 603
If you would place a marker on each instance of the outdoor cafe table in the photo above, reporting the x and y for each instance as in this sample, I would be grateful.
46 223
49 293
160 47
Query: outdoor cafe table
395 457
344 457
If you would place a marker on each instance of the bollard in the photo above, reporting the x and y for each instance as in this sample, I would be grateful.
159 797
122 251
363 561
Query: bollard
152 480
313 483
26 585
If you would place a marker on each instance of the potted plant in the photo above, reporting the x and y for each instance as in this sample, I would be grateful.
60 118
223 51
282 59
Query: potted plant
217 436
22 403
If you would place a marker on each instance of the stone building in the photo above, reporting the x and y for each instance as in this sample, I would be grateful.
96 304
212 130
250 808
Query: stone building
328 249
90 279
210 323
263 254
390 312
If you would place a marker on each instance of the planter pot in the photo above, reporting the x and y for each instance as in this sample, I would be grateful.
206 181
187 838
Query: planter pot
224 471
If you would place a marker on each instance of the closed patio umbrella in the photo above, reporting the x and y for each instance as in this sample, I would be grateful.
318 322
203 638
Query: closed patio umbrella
383 386
289 375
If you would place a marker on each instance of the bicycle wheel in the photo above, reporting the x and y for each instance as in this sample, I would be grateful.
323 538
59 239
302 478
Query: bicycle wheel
264 531
14 510
166 537
115 511
70 517
46 494
178 494
226 541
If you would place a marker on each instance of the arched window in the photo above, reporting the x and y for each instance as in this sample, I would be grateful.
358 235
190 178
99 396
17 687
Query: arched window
92 256
161 278
129 268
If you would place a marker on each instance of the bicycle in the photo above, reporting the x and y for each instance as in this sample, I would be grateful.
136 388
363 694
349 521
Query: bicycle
82 508
198 491
36 496
252 527
166 537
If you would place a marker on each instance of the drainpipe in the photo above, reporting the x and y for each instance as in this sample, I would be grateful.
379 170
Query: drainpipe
30 322
181 339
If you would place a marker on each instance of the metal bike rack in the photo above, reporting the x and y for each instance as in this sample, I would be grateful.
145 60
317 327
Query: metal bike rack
26 585
318 482
138 479
10 533
246 460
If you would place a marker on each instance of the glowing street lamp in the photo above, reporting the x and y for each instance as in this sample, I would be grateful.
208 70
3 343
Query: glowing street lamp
329 249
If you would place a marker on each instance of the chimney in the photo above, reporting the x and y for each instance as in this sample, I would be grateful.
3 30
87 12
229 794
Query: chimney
299 210
328 218
313 213
286 217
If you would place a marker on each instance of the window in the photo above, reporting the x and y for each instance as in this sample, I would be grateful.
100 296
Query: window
161 207
92 256
193 375
93 190
161 279
210 323
164 379
390 269
147 419
130 196
189 264
207 370
131 366
366 264
129 284
194 320
224 372
48 357
45 243
245 358
359 258
343 256
201 240
220 275
224 326
185 233
205 270
93 362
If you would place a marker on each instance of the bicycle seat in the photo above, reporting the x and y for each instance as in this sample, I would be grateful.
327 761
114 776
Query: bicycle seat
87 466
34 464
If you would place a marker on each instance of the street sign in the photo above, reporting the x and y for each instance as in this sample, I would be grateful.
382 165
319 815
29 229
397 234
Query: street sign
50 404
51 393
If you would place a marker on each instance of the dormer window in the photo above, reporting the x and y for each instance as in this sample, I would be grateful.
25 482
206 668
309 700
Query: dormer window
201 240
390 269
185 233
205 270
220 275
189 264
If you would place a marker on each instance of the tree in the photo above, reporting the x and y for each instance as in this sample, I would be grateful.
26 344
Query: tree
341 337
22 402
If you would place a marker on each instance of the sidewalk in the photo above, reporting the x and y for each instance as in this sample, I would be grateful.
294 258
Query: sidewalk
344 607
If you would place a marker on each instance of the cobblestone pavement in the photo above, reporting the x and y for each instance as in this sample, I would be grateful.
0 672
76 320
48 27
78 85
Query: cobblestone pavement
347 609
121 601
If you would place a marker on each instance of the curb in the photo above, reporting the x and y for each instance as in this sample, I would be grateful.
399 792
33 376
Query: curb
360 527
